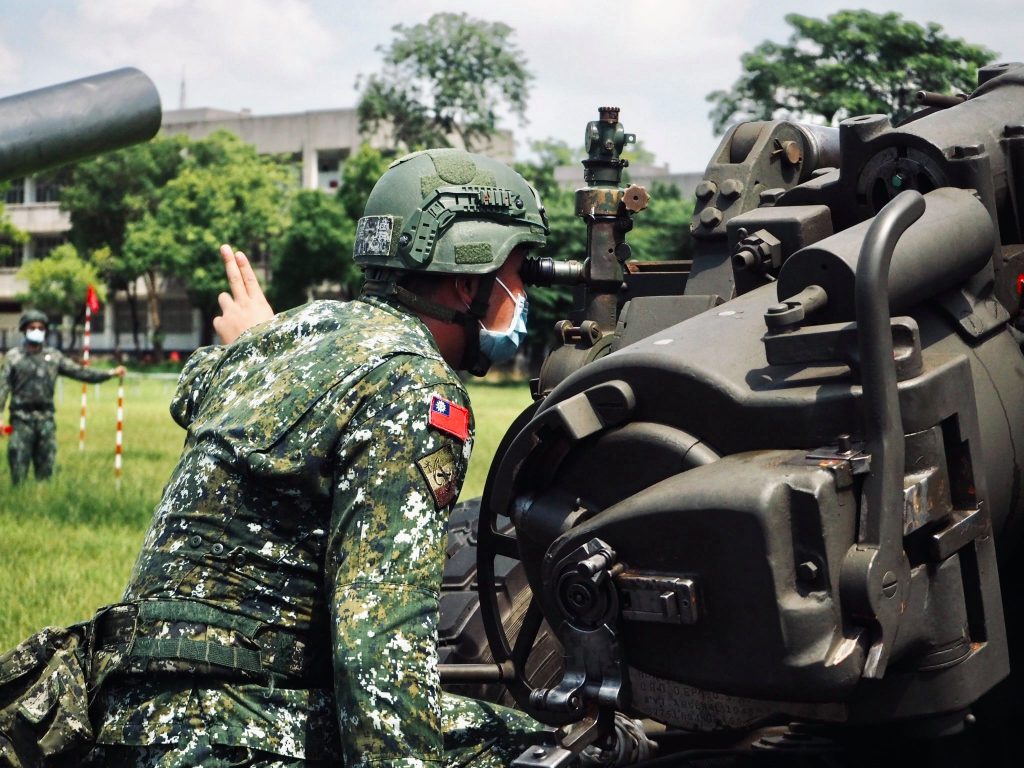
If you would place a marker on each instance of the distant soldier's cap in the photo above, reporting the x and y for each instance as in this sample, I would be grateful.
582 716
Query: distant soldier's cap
33 316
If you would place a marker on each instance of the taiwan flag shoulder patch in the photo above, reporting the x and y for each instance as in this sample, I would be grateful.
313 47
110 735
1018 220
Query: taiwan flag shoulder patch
449 417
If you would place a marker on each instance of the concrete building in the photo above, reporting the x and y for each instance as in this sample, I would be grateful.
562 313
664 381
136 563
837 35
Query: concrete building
32 204
318 141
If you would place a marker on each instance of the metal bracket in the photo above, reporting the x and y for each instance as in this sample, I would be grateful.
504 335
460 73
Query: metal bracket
844 460
571 740
586 597
658 598
838 342
546 757
966 526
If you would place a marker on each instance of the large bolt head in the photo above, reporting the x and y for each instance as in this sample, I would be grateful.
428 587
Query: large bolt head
732 188
706 189
710 217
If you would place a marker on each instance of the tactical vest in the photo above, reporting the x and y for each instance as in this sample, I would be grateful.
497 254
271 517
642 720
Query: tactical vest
230 577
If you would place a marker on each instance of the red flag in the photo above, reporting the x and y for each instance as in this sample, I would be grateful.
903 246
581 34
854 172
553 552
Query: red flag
449 417
92 300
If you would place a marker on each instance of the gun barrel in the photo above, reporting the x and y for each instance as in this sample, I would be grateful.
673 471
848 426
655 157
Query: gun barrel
74 120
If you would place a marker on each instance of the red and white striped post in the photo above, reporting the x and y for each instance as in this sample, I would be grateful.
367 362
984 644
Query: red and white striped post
86 340
119 442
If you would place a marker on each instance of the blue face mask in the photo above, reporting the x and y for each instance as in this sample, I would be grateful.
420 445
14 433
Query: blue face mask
501 346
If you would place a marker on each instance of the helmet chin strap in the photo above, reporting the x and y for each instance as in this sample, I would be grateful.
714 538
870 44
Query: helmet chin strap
472 360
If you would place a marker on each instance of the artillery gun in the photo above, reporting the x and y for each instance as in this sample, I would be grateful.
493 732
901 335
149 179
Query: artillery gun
72 121
771 501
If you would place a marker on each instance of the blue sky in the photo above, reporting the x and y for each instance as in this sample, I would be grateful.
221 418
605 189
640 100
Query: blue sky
656 59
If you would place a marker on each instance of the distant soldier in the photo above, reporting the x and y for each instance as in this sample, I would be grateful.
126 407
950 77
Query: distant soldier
28 375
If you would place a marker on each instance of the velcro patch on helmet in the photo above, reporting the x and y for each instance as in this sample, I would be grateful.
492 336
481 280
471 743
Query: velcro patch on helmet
374 236
431 182
454 167
474 253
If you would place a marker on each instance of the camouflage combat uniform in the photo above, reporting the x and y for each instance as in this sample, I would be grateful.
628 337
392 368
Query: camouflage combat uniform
29 377
284 605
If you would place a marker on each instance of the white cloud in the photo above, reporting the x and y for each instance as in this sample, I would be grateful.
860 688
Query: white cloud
657 59
227 50
10 64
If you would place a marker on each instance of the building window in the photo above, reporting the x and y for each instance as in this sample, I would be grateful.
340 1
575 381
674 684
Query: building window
15 194
123 317
47 191
48 186
176 316
96 322
12 255
43 245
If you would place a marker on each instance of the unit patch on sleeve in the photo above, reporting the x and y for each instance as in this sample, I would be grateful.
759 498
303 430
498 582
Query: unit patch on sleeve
441 470
449 417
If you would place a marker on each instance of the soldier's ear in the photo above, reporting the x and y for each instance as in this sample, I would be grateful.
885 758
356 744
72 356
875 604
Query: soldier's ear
465 287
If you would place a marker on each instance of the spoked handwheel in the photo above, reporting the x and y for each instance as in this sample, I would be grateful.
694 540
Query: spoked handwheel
521 642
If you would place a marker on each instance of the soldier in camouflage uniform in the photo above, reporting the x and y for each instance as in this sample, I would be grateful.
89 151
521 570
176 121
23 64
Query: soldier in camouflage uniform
283 609
28 374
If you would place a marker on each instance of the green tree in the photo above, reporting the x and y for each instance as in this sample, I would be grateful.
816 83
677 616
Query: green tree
57 284
316 247
224 193
566 240
448 76
851 63
108 193
358 175
639 154
547 156
10 235
662 231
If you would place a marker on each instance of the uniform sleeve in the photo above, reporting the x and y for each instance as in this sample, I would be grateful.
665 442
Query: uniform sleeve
193 383
396 481
68 367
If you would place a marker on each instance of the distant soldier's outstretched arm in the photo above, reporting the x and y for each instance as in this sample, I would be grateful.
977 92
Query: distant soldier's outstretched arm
68 367
5 386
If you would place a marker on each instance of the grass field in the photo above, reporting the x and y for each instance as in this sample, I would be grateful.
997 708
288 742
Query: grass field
67 546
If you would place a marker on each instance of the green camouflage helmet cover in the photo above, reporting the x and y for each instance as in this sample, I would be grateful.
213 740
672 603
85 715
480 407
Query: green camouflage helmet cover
33 316
448 211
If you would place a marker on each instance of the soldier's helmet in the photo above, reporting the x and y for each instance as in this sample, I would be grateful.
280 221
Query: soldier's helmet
33 316
447 211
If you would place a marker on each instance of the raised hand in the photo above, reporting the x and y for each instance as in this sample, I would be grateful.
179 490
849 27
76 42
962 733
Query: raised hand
246 305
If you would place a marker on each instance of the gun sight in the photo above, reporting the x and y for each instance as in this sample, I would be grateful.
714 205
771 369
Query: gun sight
546 272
